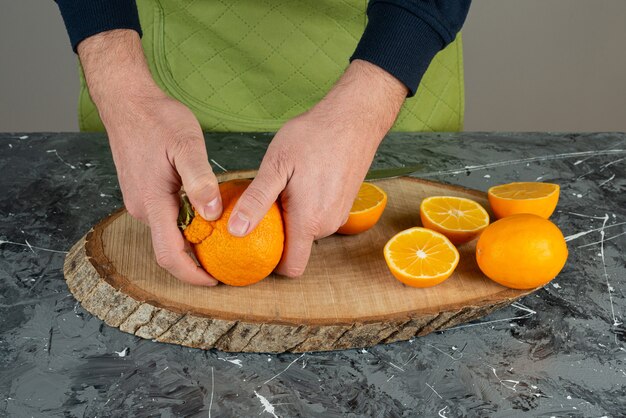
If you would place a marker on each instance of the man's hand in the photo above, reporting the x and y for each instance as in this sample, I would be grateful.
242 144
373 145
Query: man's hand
318 160
157 146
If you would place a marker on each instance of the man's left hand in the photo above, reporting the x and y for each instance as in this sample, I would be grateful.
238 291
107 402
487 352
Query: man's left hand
318 160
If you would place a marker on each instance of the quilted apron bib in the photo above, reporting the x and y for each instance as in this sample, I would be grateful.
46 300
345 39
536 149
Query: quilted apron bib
251 65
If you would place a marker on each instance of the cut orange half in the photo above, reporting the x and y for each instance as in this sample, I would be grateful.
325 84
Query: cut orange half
524 197
366 210
420 257
458 218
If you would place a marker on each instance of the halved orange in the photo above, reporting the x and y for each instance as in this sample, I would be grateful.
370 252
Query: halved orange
458 218
420 257
366 210
524 197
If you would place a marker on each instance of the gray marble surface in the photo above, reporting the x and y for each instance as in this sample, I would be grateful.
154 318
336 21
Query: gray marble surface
558 352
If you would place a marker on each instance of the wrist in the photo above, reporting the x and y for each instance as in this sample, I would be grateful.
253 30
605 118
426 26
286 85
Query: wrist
367 96
116 70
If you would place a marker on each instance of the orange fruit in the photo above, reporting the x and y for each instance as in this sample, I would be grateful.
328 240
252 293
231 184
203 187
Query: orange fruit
366 210
521 251
237 261
524 197
458 218
420 257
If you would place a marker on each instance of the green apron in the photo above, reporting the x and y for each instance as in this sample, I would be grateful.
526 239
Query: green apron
251 65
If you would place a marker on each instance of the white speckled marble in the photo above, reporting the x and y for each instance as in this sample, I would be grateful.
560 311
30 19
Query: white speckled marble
558 352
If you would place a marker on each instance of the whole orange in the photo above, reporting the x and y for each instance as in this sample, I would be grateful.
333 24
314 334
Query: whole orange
237 261
521 251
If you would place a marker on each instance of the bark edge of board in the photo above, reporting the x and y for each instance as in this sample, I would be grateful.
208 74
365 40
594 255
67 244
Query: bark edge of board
148 321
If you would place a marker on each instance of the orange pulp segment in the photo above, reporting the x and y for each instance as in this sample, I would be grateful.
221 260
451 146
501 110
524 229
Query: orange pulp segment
419 257
366 210
458 218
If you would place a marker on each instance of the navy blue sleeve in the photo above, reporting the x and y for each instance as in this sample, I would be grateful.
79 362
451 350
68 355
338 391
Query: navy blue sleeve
84 18
403 36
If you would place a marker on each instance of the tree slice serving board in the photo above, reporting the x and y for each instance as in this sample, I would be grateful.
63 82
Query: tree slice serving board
347 297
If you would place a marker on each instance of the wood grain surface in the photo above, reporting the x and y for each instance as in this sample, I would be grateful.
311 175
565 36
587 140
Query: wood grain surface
347 298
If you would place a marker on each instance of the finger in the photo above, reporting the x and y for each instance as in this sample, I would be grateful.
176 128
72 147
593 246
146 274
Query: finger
297 250
345 218
135 210
169 244
198 180
257 199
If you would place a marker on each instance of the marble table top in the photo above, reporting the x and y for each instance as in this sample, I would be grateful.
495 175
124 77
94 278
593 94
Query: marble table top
558 352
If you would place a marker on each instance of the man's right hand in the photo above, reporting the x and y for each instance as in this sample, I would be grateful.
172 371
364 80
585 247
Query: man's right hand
157 146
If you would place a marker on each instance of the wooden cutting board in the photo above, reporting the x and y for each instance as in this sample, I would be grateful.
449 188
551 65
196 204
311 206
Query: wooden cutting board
347 298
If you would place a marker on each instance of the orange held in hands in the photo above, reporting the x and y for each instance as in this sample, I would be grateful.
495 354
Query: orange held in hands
366 210
458 218
524 197
236 261
521 251
420 257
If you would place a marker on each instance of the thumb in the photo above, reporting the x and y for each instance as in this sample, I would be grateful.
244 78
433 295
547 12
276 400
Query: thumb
256 200
199 182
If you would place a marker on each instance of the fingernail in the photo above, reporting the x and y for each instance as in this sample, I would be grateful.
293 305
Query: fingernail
213 283
212 210
238 225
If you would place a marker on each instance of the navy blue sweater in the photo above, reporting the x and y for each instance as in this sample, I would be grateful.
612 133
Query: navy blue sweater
401 36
